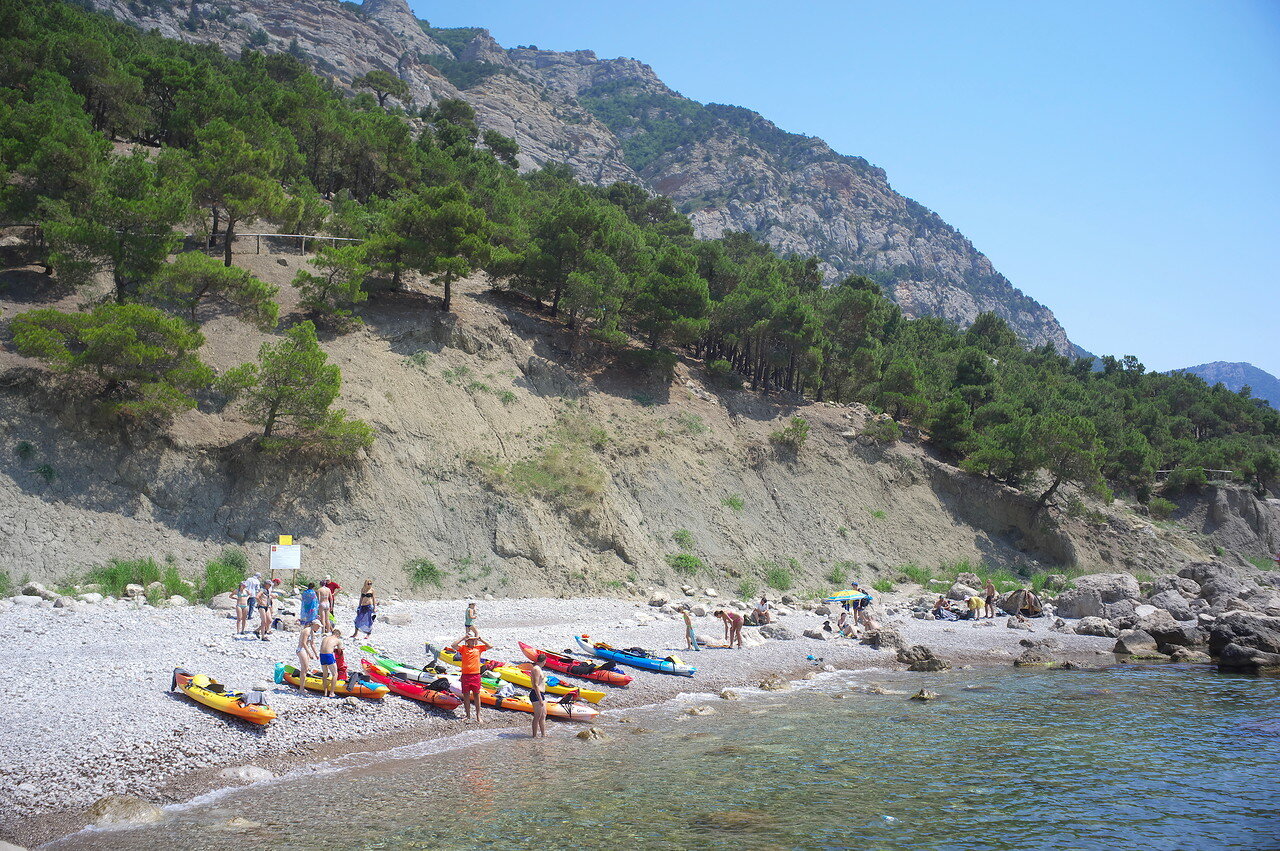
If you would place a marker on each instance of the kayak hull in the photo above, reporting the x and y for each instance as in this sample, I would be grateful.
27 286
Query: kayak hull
562 664
661 666
289 674
414 691
207 691
519 677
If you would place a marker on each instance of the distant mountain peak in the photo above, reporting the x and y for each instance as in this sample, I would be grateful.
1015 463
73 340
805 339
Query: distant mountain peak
1235 376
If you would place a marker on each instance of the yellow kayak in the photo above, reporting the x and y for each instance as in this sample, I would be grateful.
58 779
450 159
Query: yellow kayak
213 694
520 677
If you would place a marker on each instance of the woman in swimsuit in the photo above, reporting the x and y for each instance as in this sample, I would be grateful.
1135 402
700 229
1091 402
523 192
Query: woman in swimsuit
263 601
538 681
304 654
366 611
326 606
329 646
732 626
242 609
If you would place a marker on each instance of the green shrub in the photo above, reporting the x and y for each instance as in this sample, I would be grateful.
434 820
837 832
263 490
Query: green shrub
917 574
793 436
423 571
46 472
6 584
878 514
883 431
478 387
419 359
721 373
506 397
733 501
747 588
1185 478
117 573
884 586
660 363
685 563
24 450
690 423
1161 508
223 574
1260 562
839 574
778 578
684 538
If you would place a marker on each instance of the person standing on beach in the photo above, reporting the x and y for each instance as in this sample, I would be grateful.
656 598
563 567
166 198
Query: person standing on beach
732 626
310 606
989 609
469 648
538 683
469 620
325 609
690 637
263 601
366 610
304 651
329 647
252 585
242 609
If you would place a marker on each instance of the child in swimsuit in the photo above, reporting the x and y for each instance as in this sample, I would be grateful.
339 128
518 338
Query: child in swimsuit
329 645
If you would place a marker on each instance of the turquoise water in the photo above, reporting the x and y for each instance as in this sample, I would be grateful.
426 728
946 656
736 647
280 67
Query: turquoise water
1161 757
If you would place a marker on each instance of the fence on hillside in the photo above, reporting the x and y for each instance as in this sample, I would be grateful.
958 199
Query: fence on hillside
36 237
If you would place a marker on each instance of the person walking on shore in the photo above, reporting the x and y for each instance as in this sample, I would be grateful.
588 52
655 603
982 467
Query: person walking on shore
469 648
989 607
469 620
329 647
366 610
690 637
538 685
242 609
253 585
263 601
732 626
310 606
305 651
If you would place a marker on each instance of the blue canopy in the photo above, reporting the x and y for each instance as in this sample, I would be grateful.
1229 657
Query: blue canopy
848 595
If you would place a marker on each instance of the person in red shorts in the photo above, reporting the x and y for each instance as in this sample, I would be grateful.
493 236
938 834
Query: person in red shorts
469 649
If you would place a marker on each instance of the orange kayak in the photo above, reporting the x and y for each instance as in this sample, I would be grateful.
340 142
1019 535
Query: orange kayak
213 694
315 682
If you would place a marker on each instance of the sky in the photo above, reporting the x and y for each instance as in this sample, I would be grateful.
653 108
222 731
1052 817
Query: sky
1118 162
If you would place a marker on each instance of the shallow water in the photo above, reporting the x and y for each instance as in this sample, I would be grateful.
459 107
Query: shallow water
1131 757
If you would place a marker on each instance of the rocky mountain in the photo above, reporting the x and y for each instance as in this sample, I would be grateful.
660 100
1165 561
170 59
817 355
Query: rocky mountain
1237 375
613 119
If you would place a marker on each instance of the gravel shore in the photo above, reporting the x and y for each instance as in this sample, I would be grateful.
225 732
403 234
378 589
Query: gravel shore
101 720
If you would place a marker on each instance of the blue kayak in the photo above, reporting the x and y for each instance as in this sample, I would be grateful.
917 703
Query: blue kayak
648 661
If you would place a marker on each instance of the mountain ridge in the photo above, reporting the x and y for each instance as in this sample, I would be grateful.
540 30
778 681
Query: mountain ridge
1235 375
734 170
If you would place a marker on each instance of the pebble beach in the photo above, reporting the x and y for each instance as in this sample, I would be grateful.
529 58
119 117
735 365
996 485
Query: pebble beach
100 718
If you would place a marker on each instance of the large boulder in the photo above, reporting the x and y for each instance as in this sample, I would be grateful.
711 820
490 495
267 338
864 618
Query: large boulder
1245 641
223 602
1135 642
970 579
1100 627
135 590
1174 603
1099 595
1186 588
960 591
1033 657
1168 631
922 659
883 639
777 632
1201 572
817 634
35 589
124 809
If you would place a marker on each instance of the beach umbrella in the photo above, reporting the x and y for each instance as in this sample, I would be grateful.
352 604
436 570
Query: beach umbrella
846 595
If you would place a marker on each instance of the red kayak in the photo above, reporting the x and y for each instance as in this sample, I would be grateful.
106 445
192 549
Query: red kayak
404 688
563 664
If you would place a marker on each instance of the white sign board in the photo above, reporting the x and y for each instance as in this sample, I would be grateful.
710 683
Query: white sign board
286 556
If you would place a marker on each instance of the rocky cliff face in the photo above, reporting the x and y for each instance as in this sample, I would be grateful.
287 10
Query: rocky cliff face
610 120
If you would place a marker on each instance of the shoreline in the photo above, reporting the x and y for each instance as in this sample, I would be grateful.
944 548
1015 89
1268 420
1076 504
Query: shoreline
178 748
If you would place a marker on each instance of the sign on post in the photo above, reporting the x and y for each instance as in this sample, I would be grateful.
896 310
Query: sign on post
286 555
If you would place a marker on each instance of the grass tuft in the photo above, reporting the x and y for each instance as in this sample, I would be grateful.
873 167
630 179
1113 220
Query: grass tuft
778 578
118 573
686 564
423 571
733 501
683 539
747 589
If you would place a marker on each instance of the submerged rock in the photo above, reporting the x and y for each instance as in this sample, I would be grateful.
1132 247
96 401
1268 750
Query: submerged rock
125 809
700 710
592 734
730 694
736 821
924 694
775 683
246 774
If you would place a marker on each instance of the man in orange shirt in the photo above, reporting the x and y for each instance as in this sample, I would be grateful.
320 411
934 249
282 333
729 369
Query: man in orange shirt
469 649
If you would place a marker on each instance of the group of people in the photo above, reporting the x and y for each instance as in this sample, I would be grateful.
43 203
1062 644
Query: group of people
265 598
855 614
1025 603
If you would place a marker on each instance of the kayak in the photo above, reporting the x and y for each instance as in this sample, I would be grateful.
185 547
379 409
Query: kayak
415 691
555 709
563 664
520 677
204 689
647 661
315 682
401 670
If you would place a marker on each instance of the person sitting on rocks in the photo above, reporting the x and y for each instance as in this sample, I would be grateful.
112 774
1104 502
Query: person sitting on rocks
942 611
762 612
844 627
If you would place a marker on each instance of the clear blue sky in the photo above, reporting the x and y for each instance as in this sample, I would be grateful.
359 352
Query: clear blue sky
1119 162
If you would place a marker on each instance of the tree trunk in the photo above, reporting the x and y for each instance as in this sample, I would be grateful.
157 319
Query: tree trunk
448 292
1044 499
213 232
228 237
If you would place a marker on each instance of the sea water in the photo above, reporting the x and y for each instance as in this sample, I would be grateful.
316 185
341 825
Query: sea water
1161 757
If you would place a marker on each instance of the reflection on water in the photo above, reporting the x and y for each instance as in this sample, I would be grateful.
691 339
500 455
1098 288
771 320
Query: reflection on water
1134 757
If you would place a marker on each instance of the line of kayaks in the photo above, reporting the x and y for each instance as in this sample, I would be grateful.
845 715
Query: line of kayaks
435 687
